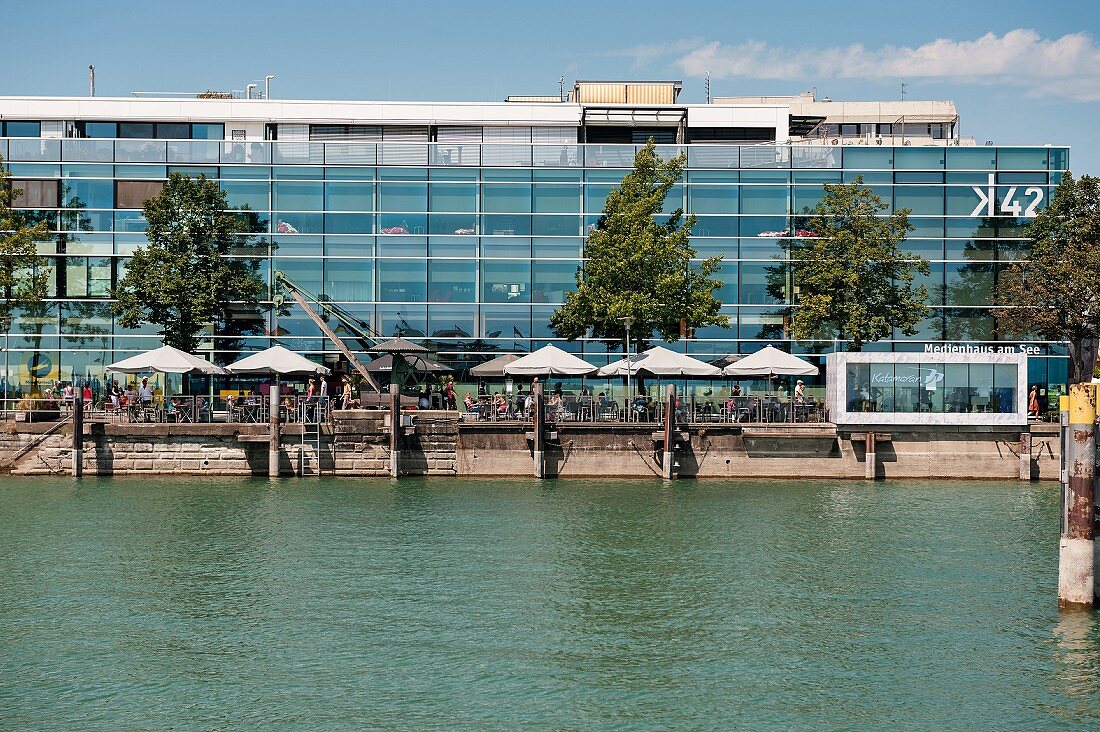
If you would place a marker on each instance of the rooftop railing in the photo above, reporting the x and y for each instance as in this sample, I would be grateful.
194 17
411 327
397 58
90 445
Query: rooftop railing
417 154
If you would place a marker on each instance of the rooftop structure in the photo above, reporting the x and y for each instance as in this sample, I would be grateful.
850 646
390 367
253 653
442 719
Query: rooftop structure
907 122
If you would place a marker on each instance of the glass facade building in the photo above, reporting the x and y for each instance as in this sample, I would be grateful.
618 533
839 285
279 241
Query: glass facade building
470 246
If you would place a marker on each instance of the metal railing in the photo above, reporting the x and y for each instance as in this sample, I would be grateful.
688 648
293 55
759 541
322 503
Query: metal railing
643 410
435 154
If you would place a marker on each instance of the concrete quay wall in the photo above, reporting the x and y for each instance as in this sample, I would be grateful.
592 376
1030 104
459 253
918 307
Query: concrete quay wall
733 451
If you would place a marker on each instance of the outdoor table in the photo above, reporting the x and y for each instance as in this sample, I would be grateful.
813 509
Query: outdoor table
249 412
746 406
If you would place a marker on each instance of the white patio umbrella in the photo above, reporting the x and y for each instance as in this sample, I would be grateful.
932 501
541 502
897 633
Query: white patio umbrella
549 360
770 361
494 367
165 360
660 361
279 361
276 360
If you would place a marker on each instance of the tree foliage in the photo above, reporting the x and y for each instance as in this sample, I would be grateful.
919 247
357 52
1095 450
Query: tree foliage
23 280
640 266
1055 293
185 280
853 280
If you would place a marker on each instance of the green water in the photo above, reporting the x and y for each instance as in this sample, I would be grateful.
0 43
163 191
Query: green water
336 604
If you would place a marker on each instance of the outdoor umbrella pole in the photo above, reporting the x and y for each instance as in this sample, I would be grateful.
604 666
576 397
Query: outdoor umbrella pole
273 419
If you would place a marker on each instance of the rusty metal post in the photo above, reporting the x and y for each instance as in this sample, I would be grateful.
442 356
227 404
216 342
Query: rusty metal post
395 430
274 436
667 461
538 437
78 432
1076 551
1025 456
870 463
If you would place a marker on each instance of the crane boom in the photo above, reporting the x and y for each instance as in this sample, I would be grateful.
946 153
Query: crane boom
294 293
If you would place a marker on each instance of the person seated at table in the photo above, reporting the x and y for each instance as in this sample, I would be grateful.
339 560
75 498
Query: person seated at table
556 407
424 399
528 402
799 392
501 404
736 390
471 404
603 400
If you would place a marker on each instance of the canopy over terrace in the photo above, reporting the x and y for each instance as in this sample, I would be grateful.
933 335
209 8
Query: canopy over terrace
660 361
770 361
549 361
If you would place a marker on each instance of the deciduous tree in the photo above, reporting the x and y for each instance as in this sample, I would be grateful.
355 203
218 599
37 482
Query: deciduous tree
186 280
23 279
639 264
853 280
1055 292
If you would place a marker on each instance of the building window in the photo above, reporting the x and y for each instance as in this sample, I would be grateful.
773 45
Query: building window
22 129
207 131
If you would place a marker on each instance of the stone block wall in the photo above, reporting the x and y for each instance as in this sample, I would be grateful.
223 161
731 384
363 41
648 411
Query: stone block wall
355 444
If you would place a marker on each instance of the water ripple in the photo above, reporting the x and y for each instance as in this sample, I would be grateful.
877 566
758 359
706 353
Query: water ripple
338 604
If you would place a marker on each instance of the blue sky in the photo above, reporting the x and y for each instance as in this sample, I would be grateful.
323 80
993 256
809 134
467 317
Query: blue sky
1020 72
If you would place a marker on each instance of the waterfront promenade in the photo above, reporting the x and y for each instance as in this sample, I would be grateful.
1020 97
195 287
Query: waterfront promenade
440 443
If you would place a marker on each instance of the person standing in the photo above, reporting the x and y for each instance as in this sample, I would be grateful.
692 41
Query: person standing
345 394
449 395
145 392
1033 401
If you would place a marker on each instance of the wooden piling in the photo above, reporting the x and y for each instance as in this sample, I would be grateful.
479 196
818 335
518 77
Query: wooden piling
395 430
871 458
1025 456
274 436
1076 555
78 432
538 439
668 460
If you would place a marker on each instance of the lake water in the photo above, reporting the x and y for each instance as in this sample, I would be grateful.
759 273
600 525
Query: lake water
325 604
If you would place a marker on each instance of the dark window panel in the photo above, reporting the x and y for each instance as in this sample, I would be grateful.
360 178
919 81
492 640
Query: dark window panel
134 193
35 193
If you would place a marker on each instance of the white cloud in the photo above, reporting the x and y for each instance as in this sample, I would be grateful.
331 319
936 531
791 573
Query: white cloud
1066 67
